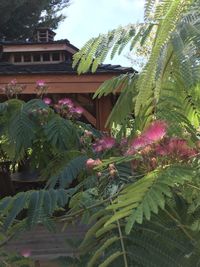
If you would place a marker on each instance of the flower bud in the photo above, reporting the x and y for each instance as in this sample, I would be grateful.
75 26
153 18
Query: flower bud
113 172
111 166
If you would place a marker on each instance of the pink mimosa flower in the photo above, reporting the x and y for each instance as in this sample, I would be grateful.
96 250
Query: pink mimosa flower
71 109
47 100
161 150
139 142
106 142
79 110
66 101
40 83
155 132
97 148
26 253
175 147
13 82
180 148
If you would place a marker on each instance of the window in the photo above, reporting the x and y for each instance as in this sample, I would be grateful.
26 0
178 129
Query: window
17 57
46 57
27 57
5 57
56 56
36 57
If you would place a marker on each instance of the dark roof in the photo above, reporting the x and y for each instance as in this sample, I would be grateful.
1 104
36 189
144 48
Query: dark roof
65 68
62 41
21 42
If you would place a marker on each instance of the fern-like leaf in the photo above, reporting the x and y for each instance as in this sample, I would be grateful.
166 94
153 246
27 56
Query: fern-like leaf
147 195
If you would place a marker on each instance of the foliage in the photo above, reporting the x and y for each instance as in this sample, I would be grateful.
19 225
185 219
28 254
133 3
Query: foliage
172 67
158 204
141 247
14 260
27 18
95 50
22 122
38 205
137 191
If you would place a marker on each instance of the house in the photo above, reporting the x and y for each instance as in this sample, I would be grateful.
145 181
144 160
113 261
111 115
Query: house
43 58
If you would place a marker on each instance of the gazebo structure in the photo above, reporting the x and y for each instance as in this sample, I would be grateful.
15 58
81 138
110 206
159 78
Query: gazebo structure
43 58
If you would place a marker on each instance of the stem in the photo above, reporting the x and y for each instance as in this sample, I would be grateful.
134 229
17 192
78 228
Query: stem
193 186
121 241
75 214
122 244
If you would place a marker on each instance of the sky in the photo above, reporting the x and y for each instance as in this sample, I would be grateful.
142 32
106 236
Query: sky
88 18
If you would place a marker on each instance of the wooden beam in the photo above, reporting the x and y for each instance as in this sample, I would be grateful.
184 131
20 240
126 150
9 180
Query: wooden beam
59 83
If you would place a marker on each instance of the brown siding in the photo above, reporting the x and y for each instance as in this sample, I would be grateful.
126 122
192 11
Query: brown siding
46 246
59 83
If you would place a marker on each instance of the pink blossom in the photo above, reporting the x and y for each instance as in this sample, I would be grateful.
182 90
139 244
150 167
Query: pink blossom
139 142
175 147
66 101
161 150
180 148
13 82
26 253
106 142
91 163
47 100
79 110
40 83
97 147
155 132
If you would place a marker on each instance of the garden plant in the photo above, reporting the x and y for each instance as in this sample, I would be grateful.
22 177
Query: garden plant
138 187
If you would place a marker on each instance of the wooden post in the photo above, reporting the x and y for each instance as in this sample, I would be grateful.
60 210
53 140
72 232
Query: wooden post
103 108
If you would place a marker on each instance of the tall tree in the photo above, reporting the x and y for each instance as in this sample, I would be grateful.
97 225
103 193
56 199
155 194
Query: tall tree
19 18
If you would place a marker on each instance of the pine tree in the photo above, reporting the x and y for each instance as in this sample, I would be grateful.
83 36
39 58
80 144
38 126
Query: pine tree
19 18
